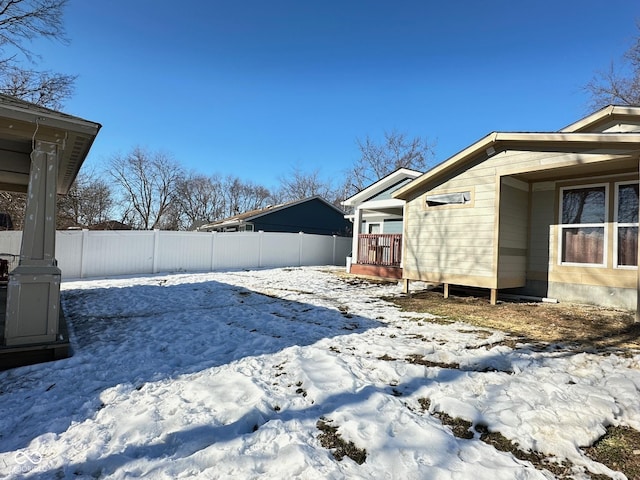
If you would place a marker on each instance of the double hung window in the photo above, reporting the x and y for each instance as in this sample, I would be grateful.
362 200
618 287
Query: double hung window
626 235
583 212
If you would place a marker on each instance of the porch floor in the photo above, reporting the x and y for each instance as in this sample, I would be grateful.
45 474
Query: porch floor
19 355
379 271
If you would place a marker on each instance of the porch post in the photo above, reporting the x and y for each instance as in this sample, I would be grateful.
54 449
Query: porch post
357 223
33 292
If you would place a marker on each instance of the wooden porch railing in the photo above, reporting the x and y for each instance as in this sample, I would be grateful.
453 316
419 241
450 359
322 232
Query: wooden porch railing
380 249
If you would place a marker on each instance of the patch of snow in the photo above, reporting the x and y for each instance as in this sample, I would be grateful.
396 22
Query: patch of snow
226 374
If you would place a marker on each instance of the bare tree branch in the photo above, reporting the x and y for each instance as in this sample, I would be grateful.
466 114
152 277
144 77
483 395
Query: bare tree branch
620 84
378 160
21 22
148 183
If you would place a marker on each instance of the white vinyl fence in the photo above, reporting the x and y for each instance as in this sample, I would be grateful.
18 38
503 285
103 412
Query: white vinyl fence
97 253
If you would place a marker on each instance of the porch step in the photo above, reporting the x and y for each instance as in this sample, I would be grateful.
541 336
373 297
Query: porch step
377 271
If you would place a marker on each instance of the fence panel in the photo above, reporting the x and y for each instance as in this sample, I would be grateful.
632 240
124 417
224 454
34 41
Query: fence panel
69 252
279 249
100 253
108 253
178 251
236 250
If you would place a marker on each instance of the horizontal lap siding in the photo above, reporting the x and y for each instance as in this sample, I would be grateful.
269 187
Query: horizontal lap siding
461 240
453 243
541 231
514 213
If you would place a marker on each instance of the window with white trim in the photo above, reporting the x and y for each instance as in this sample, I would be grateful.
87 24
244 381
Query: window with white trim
626 225
583 217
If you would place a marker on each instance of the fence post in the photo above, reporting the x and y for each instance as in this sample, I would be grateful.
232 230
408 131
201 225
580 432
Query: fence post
84 247
156 241
214 234
260 240
300 252
334 250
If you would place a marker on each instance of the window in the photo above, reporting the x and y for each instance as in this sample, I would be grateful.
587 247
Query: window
374 228
456 198
583 214
626 235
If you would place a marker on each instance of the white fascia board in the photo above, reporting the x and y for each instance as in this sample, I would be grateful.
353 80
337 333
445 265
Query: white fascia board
382 204
380 186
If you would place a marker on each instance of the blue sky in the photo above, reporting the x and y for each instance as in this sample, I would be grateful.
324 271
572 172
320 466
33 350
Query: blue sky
254 88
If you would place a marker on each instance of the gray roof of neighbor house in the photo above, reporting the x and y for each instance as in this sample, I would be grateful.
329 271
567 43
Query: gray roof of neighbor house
22 124
571 137
254 214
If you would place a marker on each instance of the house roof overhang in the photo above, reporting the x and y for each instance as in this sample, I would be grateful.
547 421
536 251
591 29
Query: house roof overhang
380 186
626 145
607 115
390 206
22 124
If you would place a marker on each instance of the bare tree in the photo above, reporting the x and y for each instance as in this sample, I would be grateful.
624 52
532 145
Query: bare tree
14 204
21 22
300 184
241 197
47 89
378 160
619 84
200 199
88 202
147 183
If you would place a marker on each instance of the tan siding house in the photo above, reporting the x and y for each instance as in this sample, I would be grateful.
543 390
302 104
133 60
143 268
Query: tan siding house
548 214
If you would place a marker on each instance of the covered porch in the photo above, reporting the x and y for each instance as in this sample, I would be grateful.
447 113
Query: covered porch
378 224
379 255
377 239
41 152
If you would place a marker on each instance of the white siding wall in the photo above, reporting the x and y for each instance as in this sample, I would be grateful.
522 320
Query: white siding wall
86 253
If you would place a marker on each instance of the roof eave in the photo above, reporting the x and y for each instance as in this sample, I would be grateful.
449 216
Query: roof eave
602 115
380 185
493 142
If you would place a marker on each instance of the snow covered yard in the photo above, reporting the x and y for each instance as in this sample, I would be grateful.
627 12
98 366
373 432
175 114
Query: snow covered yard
234 374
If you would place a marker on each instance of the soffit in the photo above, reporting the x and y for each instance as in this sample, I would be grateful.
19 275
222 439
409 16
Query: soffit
23 124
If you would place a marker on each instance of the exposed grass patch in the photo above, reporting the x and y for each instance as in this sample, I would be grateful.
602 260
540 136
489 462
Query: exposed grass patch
331 439
540 461
387 358
577 327
420 360
618 449
460 428
465 429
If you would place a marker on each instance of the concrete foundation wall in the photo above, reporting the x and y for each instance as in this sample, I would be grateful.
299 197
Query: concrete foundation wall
604 296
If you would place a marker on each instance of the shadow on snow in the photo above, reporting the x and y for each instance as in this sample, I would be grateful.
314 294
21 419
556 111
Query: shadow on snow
168 331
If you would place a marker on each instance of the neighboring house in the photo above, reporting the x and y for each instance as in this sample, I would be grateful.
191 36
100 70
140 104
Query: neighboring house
377 226
312 215
548 214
